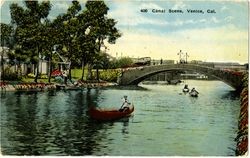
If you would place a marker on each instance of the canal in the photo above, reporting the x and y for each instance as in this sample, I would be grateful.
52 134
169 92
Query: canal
166 122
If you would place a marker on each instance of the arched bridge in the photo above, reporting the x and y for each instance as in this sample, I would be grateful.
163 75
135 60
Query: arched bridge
134 76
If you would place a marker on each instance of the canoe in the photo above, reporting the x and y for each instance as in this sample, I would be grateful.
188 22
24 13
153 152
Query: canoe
193 94
109 114
185 90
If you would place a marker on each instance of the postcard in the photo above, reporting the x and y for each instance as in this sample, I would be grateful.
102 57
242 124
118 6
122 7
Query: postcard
124 78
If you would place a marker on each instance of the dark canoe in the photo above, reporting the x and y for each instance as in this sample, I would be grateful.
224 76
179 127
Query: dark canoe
185 90
193 94
105 114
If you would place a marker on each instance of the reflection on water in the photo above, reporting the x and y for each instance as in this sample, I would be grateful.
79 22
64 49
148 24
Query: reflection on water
165 122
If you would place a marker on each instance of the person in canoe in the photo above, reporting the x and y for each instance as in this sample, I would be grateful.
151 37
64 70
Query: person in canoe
125 104
194 92
185 89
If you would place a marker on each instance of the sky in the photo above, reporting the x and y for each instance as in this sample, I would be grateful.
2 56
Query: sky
220 36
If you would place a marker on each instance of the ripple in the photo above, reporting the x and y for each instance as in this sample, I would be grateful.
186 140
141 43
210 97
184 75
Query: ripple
164 123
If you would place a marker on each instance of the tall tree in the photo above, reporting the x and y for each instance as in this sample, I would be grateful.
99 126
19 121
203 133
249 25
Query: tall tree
81 33
30 34
69 32
5 43
101 27
100 61
51 45
85 42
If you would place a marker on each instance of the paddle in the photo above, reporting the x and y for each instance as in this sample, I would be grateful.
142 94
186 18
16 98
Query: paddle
121 107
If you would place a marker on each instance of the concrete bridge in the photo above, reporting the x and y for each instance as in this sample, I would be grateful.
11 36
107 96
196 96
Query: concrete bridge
134 76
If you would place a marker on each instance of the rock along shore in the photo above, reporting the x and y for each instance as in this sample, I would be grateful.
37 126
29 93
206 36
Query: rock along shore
242 135
21 86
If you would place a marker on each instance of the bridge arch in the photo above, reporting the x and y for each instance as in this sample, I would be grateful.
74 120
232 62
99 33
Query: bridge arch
136 75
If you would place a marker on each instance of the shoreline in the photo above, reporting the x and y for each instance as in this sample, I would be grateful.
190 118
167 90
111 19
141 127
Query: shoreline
242 134
40 87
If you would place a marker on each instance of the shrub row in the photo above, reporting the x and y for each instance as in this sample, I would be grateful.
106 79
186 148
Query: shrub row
109 75
42 76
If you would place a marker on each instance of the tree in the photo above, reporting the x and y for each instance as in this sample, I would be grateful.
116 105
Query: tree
123 62
101 28
6 31
31 33
87 45
100 61
69 29
82 33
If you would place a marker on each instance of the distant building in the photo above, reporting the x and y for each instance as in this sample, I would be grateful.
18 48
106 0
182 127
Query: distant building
163 62
221 65
26 68
196 62
142 61
226 65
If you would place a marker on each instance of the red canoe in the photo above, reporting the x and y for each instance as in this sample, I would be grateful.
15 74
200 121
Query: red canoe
105 115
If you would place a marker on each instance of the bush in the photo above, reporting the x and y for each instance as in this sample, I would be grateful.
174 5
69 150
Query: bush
110 75
11 75
30 75
43 76
121 63
59 79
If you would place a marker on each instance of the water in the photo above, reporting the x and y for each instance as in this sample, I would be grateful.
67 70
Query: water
166 122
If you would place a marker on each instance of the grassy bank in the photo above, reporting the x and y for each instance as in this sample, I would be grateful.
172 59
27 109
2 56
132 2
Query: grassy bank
109 75
77 73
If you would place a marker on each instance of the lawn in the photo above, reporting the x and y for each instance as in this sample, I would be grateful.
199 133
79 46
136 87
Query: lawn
28 80
77 73
108 75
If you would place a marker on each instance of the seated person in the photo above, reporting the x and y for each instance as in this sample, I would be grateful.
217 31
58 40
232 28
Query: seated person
194 90
125 104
